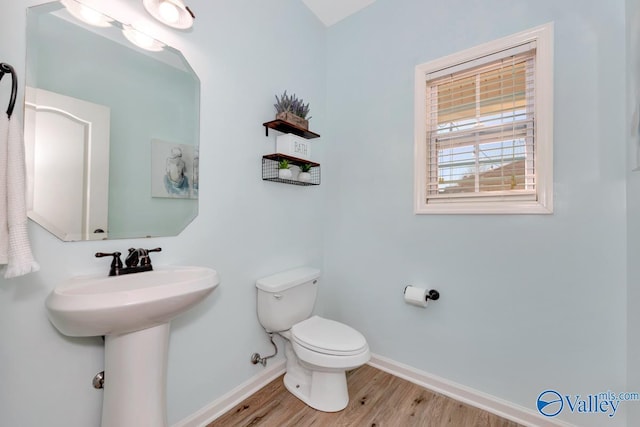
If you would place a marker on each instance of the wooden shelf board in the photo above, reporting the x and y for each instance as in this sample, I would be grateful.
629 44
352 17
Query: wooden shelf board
286 127
293 160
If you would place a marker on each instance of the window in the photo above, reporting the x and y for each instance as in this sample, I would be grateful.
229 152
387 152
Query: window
484 128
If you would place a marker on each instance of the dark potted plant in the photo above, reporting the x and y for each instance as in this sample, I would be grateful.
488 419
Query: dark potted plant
293 110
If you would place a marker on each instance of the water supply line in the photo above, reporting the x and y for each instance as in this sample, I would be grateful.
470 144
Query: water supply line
98 380
256 358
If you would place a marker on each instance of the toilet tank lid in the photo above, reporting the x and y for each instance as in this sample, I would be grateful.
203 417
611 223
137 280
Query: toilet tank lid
287 279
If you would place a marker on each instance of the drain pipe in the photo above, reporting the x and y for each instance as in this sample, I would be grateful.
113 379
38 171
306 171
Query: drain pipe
256 358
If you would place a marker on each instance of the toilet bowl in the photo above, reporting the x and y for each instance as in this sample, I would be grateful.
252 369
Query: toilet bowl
328 344
319 351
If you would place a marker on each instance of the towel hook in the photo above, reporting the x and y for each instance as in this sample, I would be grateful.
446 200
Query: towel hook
4 69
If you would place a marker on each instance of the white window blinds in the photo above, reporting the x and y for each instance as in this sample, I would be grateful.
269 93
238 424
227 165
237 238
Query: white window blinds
481 128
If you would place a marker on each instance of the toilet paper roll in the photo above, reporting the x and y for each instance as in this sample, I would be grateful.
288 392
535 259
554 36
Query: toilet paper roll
415 296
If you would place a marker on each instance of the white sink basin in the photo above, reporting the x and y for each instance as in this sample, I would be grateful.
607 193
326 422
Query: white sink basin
97 305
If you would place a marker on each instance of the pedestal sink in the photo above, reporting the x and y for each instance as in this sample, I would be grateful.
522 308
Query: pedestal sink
133 312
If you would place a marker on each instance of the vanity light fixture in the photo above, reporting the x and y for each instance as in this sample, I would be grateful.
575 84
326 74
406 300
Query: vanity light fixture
86 14
141 40
170 12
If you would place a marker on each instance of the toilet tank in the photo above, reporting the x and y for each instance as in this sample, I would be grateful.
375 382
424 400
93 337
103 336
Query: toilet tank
286 298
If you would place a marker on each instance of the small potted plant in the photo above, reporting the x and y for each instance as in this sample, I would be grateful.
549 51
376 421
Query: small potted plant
283 169
304 175
293 110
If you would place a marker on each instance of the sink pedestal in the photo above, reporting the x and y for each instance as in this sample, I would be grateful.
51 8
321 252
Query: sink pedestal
135 378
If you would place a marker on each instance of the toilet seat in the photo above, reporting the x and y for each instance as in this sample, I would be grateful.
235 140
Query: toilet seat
328 337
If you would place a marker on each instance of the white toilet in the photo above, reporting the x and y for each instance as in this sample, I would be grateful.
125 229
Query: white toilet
318 351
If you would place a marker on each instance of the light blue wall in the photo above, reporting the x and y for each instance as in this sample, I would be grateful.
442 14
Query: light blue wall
552 316
633 202
528 302
244 52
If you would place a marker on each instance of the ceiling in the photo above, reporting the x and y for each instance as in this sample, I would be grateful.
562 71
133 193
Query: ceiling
332 11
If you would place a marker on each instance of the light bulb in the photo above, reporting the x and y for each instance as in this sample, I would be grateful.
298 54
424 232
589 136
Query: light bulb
169 11
142 40
86 14
91 16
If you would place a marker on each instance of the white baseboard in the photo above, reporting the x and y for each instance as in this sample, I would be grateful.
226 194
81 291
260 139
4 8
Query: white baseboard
224 403
478 399
464 394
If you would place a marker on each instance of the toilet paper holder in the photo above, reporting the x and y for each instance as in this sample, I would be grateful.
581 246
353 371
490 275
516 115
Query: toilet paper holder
431 295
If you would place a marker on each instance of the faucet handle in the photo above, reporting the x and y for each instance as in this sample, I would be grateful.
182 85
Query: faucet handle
139 257
116 264
144 255
146 260
116 258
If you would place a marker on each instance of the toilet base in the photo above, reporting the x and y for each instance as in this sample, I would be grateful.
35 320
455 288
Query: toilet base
324 391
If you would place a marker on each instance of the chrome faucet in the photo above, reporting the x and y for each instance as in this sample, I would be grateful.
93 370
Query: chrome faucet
137 260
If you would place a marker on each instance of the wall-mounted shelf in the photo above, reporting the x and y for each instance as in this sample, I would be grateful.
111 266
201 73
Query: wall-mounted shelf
270 169
286 127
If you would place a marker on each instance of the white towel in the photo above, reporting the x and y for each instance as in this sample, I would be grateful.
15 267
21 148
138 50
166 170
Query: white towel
20 259
4 227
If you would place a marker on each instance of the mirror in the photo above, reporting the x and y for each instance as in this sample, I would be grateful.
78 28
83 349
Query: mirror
111 130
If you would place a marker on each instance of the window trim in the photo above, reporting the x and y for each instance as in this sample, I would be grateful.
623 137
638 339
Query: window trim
543 37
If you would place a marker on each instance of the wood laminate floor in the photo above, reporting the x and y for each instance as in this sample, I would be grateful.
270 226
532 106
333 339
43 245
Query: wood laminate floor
377 399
